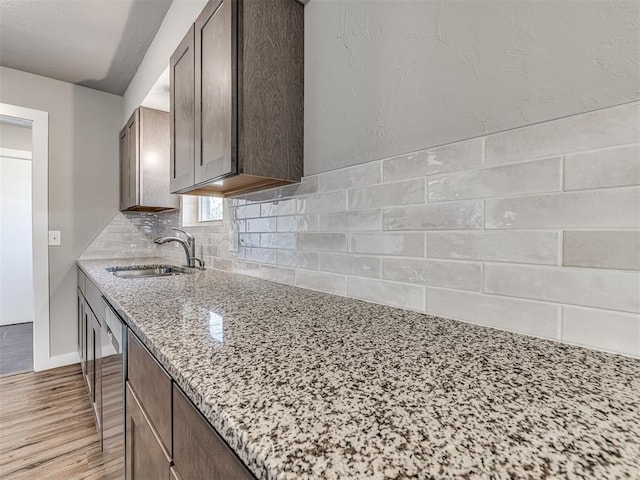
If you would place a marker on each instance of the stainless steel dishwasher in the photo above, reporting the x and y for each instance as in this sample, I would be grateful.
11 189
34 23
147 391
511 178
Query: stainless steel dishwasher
114 337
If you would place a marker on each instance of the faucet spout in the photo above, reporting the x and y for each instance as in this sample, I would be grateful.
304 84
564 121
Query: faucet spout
189 246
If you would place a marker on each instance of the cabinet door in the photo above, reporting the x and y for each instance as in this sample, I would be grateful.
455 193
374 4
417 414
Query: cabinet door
133 158
215 73
145 457
94 365
182 127
89 355
80 330
124 169
152 386
199 453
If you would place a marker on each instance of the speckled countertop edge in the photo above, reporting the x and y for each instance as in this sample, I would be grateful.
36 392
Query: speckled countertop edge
262 462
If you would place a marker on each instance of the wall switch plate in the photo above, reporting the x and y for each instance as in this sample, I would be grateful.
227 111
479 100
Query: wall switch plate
55 237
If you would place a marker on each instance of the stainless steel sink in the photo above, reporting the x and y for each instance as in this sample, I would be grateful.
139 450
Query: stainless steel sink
145 271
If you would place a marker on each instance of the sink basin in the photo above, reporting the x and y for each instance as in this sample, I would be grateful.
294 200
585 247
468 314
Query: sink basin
146 271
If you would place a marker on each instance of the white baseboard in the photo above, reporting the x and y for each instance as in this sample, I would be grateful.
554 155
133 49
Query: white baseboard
59 361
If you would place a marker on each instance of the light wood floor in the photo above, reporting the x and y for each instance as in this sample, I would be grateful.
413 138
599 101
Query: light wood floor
47 429
16 348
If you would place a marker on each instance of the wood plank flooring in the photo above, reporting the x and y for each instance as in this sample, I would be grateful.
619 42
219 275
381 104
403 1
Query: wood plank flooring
16 348
47 429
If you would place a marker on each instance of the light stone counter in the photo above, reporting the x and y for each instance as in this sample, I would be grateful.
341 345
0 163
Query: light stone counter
304 384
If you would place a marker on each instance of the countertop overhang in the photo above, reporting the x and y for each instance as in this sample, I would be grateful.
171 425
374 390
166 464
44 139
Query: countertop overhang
303 384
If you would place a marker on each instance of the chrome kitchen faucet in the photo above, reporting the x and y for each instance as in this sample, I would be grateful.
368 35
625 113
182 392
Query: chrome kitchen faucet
189 247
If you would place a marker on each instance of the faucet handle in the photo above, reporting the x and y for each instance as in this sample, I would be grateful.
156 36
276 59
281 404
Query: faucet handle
187 234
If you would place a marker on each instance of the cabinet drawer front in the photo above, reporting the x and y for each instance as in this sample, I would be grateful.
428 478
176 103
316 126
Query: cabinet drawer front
199 453
152 386
146 458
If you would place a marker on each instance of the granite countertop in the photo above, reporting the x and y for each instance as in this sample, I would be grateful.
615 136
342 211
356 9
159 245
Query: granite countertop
303 384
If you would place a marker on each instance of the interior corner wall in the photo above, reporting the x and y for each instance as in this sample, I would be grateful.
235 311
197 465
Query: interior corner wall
175 25
83 179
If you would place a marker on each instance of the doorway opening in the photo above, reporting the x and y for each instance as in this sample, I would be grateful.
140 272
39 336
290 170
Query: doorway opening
24 256
16 247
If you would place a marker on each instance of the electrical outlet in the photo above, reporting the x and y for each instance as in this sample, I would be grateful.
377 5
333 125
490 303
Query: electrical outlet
55 237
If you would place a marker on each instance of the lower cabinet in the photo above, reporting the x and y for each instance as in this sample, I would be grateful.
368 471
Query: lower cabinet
166 436
94 367
198 450
146 459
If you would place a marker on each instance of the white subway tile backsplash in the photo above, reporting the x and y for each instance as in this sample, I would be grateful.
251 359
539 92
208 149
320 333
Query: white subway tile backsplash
602 329
264 255
496 246
248 211
297 258
530 177
446 158
618 249
601 128
278 240
280 207
324 202
249 239
261 224
403 244
603 208
411 297
449 216
297 223
357 220
277 274
522 316
612 167
349 264
439 273
358 176
610 289
387 194
323 281
336 242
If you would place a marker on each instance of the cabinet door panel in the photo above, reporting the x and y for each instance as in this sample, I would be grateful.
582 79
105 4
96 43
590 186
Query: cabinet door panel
215 91
145 458
151 385
199 453
133 160
182 118
124 169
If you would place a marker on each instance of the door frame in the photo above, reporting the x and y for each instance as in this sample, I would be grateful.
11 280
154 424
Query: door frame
40 229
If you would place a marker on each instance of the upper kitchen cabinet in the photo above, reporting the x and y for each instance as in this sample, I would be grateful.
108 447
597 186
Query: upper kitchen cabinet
144 163
237 87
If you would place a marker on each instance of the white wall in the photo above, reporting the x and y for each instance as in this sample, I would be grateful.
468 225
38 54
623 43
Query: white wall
83 179
16 266
384 78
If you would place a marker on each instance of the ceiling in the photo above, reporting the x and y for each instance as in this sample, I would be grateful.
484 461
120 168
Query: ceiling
95 43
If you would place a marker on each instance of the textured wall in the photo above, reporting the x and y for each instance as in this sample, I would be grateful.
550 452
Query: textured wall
83 179
385 78
534 230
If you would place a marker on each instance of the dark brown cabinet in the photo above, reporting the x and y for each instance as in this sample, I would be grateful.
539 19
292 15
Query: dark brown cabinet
144 162
146 459
198 450
166 436
237 85
152 386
